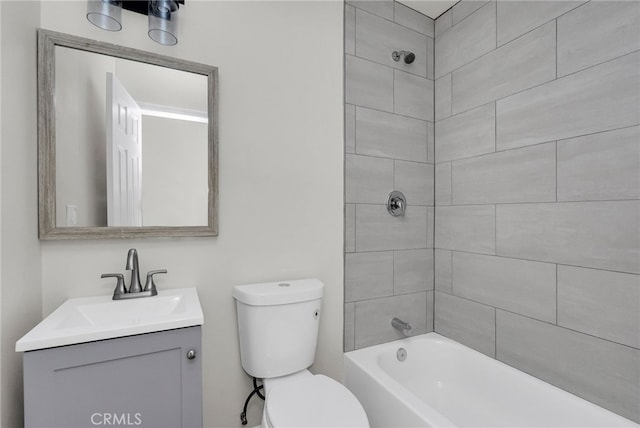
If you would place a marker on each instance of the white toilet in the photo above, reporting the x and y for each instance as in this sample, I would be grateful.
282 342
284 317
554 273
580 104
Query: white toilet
278 328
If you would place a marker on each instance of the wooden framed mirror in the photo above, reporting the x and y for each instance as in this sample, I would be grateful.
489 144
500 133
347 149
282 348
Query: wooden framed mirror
127 142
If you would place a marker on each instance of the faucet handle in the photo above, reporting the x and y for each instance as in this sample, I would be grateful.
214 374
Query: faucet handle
150 285
120 288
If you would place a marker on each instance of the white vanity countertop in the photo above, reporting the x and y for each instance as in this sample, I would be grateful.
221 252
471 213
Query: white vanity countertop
88 319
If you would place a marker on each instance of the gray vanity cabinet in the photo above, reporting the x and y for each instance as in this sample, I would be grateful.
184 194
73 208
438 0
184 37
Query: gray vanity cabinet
146 380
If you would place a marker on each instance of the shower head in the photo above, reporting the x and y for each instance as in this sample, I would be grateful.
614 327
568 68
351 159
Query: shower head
409 57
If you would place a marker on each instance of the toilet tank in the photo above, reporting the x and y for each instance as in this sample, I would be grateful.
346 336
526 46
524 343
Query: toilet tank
278 325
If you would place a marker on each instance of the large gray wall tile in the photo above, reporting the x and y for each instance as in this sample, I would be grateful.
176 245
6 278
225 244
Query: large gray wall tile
349 128
600 371
415 180
377 38
442 266
368 275
466 228
467 322
522 286
368 179
521 175
597 99
390 135
368 84
518 17
522 64
350 228
373 318
443 97
595 32
467 134
600 166
443 183
443 23
414 20
349 29
600 303
591 234
467 40
377 230
412 271
413 96
465 8
383 8
349 327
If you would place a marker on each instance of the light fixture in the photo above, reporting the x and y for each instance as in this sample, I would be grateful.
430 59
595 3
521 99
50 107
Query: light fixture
163 16
163 22
105 14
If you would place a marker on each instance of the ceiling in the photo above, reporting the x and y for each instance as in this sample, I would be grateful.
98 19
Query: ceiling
431 8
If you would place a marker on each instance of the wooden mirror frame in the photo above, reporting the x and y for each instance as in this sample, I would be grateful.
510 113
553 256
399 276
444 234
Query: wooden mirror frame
47 228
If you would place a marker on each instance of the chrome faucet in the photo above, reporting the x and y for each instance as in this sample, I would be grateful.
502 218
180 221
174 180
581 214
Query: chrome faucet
403 326
132 265
135 287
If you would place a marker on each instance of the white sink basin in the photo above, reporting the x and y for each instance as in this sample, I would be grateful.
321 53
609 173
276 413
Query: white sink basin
88 319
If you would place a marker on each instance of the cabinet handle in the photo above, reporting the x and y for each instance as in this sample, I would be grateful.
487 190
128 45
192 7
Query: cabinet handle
191 354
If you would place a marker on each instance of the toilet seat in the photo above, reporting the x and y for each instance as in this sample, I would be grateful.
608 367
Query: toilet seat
314 401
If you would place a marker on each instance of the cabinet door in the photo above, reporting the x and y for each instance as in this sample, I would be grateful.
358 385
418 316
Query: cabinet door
145 380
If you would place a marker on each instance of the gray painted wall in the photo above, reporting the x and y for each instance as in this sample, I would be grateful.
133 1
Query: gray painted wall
389 115
537 181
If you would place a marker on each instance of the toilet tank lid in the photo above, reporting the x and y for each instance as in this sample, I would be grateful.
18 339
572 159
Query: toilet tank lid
279 292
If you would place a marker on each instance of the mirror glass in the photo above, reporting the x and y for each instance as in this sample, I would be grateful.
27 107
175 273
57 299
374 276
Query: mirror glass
131 143
128 144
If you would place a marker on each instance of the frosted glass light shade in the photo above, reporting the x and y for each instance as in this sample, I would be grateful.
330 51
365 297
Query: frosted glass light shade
105 14
163 22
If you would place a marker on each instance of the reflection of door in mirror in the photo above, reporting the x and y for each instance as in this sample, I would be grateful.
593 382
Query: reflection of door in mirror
164 182
124 156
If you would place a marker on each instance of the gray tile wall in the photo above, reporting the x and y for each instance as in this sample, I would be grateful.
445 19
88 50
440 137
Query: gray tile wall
389 145
537 188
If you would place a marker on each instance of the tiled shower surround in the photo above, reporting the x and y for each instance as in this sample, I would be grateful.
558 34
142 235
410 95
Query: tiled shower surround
389 146
537 188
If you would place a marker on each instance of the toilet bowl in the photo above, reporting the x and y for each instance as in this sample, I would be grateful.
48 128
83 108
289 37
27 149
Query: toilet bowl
311 401
278 331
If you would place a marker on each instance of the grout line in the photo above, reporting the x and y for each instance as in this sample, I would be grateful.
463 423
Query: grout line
485 204
556 326
393 21
393 113
537 144
534 261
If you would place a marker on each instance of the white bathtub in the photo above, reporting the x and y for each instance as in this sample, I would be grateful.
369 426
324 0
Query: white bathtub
442 383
